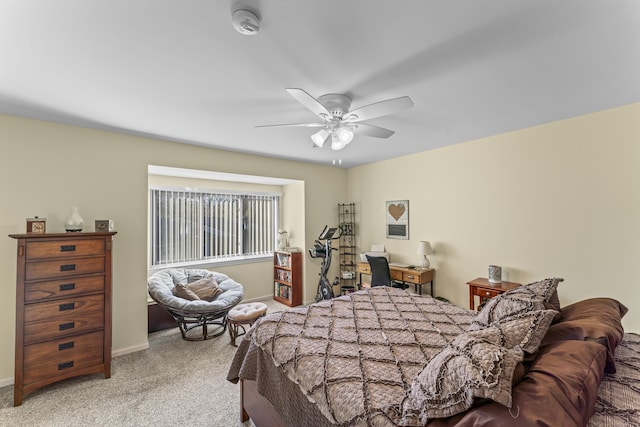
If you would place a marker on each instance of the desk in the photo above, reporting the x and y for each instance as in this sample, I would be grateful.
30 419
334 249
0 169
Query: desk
484 290
415 276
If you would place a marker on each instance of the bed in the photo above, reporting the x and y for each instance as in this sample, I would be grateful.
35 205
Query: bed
386 357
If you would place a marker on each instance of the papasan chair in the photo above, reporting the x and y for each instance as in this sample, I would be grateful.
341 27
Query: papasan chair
195 313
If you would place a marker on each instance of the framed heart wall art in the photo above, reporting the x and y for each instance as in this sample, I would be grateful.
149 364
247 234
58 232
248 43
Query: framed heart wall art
398 219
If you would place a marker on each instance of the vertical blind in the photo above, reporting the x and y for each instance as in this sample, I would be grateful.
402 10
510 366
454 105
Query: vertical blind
192 226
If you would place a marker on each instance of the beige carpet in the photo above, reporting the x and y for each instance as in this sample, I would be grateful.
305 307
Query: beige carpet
172 383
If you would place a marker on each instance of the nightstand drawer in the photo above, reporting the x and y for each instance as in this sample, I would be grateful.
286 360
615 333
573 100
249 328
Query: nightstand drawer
484 289
62 357
63 267
64 248
486 293
63 287
64 317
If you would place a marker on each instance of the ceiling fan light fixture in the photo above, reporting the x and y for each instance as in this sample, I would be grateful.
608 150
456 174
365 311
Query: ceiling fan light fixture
320 137
345 134
337 143
339 122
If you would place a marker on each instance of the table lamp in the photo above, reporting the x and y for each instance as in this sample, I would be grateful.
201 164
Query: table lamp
424 249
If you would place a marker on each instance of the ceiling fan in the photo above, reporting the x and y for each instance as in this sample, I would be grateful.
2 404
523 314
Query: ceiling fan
340 123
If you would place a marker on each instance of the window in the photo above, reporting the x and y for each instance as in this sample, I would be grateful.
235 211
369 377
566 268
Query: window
194 227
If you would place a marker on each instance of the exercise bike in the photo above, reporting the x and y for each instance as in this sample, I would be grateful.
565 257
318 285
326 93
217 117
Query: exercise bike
324 250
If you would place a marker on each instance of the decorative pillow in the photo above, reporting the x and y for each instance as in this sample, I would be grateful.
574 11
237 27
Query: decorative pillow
525 330
206 288
183 291
473 365
558 390
553 303
544 288
548 289
517 301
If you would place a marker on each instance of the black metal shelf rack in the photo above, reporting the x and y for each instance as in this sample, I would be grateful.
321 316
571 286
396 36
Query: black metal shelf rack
347 253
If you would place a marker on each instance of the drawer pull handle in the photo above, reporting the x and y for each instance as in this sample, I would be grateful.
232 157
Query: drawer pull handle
488 293
410 277
68 248
67 267
65 365
67 287
66 345
67 306
65 326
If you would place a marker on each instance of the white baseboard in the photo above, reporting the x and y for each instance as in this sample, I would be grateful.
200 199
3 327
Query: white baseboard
6 381
262 298
123 351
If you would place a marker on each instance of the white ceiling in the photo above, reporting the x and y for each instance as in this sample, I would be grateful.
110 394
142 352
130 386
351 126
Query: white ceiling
178 70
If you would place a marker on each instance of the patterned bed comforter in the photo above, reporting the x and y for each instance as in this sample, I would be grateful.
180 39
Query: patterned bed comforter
356 355
348 360
618 401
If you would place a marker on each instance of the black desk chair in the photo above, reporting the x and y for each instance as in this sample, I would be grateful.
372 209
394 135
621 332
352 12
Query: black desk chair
380 273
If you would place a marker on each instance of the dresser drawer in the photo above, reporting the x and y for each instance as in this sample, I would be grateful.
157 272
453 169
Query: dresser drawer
64 248
62 357
63 268
63 287
55 319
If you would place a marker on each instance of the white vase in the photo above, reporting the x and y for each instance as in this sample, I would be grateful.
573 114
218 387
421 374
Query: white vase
283 240
74 221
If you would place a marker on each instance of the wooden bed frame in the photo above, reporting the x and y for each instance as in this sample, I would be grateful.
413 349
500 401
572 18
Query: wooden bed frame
255 406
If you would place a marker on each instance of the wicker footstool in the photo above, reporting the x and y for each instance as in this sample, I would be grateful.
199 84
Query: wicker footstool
244 314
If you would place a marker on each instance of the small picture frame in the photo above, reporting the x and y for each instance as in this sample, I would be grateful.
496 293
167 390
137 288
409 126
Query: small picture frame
104 225
397 214
36 225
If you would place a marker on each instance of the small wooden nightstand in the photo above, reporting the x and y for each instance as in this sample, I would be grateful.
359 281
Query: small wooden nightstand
484 289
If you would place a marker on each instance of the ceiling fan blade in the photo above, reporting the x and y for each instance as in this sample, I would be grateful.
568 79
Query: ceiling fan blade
306 125
370 130
378 109
311 103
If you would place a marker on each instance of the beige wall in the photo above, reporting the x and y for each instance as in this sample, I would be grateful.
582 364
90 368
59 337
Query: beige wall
47 168
560 199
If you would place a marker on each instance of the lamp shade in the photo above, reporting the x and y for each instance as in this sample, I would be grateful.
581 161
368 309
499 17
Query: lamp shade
345 135
320 137
336 144
424 248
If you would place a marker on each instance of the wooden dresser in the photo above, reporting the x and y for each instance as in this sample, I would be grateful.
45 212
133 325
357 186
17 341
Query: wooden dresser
63 308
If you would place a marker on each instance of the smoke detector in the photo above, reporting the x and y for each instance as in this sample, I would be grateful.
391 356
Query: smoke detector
245 21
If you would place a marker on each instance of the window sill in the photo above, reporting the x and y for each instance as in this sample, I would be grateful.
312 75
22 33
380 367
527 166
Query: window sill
209 264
